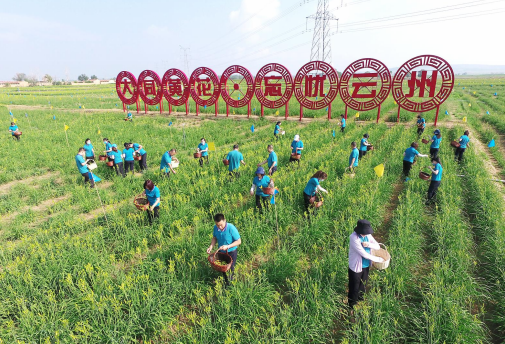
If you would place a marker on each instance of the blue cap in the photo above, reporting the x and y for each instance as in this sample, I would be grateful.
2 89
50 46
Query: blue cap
114 145
436 132
260 170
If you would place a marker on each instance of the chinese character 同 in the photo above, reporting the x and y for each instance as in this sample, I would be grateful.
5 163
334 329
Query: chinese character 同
149 87
357 85
126 87
422 84
175 87
203 88
273 89
318 87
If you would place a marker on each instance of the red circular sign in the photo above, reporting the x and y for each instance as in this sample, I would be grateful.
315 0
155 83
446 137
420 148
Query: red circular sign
318 81
150 87
203 87
246 75
375 98
175 87
419 83
127 82
274 88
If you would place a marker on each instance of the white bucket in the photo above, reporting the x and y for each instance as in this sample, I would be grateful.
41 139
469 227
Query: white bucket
383 253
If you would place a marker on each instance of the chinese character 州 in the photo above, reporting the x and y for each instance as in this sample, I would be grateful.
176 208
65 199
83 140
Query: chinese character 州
422 84
149 87
203 88
273 89
126 87
318 87
357 85
175 87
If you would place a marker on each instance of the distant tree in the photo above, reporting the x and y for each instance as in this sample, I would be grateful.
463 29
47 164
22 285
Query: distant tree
32 80
94 77
19 77
48 78
82 77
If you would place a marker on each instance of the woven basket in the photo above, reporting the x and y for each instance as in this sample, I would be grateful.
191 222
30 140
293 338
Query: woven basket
296 156
268 191
226 162
315 201
455 144
384 254
126 119
197 155
141 202
18 133
110 163
102 157
369 148
220 256
424 175
424 141
137 157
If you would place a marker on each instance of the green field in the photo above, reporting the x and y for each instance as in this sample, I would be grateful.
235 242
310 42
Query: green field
70 275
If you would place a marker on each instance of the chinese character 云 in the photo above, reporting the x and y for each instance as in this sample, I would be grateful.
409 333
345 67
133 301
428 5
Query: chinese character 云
126 86
149 87
422 83
318 87
273 89
175 87
203 88
358 85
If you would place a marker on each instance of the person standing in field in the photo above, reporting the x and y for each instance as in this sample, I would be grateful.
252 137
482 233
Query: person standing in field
421 124
435 143
464 142
129 159
228 239
271 160
153 197
143 156
261 181
361 242
312 187
129 117
203 147
166 162
363 146
13 129
82 166
296 148
408 158
342 123
277 130
235 158
436 178
108 150
118 160
354 157
88 147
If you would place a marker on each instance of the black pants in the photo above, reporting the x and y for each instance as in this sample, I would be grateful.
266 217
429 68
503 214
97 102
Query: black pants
361 153
306 200
155 214
235 174
233 255
129 165
274 169
342 129
433 152
165 174
291 159
357 284
276 137
260 200
91 157
17 137
87 180
143 162
420 131
432 190
459 153
111 159
202 158
407 165
119 168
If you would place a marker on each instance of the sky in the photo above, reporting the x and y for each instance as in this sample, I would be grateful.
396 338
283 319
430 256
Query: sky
66 38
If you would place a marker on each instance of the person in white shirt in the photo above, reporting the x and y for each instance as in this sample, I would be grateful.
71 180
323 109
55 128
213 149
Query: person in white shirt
361 242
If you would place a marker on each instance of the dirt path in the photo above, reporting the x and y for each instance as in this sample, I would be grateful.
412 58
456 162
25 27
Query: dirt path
5 188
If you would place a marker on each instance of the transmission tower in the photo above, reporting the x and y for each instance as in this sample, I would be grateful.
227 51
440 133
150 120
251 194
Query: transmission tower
185 57
321 44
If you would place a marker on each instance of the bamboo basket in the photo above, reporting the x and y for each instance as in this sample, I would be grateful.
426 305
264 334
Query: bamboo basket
141 202
384 254
220 256
455 144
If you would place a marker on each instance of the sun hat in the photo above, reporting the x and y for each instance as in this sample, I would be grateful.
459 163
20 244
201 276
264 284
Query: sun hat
297 138
436 132
363 227
260 170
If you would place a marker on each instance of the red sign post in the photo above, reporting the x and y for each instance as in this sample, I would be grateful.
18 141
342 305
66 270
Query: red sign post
271 86
150 85
175 88
204 83
127 83
227 95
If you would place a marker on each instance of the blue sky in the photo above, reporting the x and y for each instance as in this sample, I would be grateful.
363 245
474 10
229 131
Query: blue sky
67 38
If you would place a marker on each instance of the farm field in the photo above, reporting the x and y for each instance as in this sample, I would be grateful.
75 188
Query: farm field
70 274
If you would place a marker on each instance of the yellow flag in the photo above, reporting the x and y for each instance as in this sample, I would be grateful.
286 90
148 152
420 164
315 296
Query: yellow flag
99 132
395 102
212 146
469 104
14 120
51 107
379 170
83 107
474 92
464 119
277 112
66 127
357 114
233 111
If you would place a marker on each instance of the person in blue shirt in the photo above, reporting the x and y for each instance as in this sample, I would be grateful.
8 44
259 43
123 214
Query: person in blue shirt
436 178
153 197
277 130
235 158
128 155
312 187
203 147
363 146
464 144
14 130
108 149
421 124
296 148
261 181
88 147
271 160
228 239
342 123
408 158
129 117
82 166
118 161
435 143
354 157
139 150
166 162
